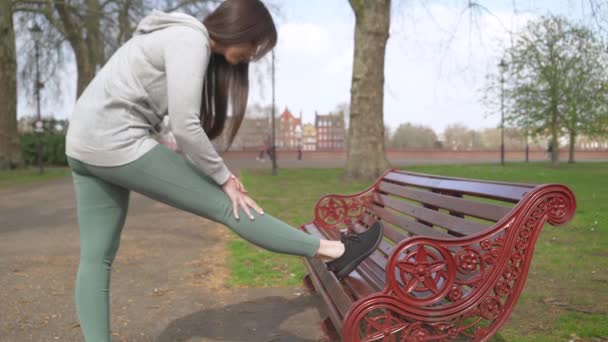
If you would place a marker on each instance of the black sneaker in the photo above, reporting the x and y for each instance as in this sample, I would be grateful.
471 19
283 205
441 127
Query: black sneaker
357 247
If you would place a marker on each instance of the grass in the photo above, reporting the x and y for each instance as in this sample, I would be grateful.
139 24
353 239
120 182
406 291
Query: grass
566 292
30 174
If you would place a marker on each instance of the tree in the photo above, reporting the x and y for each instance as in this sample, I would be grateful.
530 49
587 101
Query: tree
413 136
459 137
10 152
553 80
586 86
344 109
94 29
365 154
387 135
515 138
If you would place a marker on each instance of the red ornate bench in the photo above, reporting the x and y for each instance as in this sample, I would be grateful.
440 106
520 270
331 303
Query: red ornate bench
453 262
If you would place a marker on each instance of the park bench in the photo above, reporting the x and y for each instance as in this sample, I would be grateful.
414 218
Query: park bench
453 261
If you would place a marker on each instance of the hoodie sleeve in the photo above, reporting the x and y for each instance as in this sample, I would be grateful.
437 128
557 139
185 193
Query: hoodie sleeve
186 57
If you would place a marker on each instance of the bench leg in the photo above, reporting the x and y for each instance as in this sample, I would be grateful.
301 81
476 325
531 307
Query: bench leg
310 288
331 335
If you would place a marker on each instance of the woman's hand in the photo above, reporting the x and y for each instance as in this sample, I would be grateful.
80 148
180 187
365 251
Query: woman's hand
169 141
238 195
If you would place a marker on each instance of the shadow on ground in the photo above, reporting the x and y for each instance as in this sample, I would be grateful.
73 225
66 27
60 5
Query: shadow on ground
263 319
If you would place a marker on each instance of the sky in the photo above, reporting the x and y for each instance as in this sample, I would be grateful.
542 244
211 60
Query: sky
437 58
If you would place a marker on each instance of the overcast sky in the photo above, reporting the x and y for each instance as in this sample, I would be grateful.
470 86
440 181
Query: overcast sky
437 57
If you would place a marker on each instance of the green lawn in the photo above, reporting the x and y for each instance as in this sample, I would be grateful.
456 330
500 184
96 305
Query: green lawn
566 293
30 175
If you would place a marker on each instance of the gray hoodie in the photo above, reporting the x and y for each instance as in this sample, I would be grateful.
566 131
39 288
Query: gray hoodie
159 71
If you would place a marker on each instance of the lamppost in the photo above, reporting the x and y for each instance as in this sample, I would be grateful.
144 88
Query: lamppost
273 148
299 140
36 33
527 147
502 67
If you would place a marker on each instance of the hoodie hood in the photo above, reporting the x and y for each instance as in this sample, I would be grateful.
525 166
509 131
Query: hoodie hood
158 20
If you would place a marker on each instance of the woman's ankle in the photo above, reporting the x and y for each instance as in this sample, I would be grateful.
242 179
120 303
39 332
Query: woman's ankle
330 250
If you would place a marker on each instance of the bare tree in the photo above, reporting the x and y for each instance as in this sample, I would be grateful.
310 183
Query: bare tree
93 29
413 136
10 152
459 137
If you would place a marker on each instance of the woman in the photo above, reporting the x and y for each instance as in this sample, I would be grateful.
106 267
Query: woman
193 72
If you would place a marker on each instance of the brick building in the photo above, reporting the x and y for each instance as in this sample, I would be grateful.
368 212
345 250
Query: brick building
330 131
289 130
251 133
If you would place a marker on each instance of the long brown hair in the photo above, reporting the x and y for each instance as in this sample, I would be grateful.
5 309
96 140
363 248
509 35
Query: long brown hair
226 85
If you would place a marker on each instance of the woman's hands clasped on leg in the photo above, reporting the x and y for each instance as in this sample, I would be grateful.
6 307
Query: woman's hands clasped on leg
238 196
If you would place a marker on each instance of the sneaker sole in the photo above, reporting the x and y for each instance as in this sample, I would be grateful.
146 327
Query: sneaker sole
355 262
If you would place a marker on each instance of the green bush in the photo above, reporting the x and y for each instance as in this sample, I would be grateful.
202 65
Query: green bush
53 148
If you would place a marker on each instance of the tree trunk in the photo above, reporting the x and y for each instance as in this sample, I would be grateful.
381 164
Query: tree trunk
85 67
572 143
365 154
123 23
554 140
554 123
85 38
10 150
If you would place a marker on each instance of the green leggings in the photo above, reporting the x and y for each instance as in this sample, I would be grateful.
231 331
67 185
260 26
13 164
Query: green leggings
102 195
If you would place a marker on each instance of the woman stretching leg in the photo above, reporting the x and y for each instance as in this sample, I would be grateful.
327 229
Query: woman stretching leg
190 70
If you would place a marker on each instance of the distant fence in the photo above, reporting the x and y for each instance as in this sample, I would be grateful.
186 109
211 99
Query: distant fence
434 154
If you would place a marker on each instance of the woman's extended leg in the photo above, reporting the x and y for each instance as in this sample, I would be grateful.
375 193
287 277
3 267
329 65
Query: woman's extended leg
101 210
170 178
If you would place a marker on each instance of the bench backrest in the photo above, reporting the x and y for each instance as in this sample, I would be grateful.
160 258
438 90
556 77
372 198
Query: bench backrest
411 204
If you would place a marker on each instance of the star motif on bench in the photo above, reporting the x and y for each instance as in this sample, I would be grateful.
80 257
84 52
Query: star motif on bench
389 326
333 210
421 270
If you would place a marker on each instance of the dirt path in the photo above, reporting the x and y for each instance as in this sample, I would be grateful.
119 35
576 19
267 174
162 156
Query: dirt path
167 281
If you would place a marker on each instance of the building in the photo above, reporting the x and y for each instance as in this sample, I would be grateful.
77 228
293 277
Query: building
252 133
309 138
330 131
327 133
289 130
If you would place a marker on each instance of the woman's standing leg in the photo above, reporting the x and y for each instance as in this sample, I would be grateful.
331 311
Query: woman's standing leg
102 210
168 177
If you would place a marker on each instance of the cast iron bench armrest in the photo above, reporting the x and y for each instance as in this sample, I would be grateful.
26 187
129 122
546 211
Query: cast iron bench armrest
468 281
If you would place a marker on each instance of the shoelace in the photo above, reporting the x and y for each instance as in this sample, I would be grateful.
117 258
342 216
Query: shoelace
350 239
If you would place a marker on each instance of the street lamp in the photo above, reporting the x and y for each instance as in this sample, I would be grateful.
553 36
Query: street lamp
527 147
502 66
273 149
36 33
299 140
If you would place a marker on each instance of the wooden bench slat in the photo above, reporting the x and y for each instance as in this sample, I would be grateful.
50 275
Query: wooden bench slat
389 232
332 311
428 175
454 224
413 227
332 285
510 193
486 211
358 285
